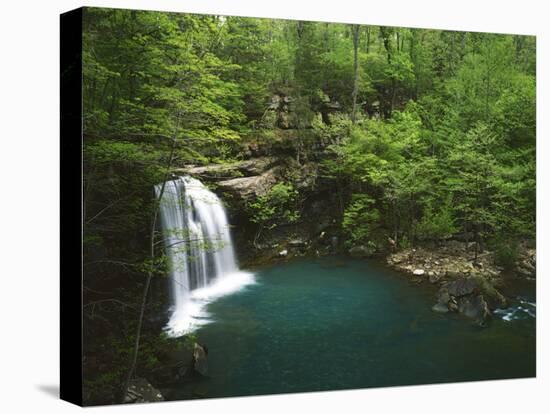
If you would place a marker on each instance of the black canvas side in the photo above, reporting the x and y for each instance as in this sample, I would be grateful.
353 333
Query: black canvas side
71 207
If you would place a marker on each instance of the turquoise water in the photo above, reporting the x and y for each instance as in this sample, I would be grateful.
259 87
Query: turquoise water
333 324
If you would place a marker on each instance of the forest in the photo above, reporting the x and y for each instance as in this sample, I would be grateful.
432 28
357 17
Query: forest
415 136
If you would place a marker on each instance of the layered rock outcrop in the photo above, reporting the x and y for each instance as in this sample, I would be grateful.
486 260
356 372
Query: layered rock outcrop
248 188
239 184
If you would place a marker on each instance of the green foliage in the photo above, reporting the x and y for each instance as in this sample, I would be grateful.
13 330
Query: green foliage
469 140
506 251
436 224
275 207
361 219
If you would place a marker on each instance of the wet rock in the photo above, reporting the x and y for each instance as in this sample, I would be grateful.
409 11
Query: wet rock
440 308
453 305
443 298
493 297
461 287
140 391
418 272
474 307
283 253
443 295
200 361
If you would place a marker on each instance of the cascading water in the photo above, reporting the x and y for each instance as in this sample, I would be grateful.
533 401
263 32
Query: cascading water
199 250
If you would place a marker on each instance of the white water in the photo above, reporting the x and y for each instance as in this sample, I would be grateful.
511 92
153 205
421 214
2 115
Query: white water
523 310
200 253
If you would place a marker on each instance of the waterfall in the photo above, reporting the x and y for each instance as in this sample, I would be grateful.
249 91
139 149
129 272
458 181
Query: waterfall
199 251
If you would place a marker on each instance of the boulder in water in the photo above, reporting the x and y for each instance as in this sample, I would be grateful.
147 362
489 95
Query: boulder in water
418 272
283 253
443 295
440 308
453 305
443 299
474 307
461 287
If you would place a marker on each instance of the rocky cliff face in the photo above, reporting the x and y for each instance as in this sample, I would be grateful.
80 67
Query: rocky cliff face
238 184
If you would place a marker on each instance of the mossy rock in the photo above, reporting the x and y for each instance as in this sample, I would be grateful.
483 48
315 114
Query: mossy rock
494 298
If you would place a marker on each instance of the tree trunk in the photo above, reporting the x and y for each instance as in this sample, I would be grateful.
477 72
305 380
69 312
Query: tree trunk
355 71
397 42
393 95
368 40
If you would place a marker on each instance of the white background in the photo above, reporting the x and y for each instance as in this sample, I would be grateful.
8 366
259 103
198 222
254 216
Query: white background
29 219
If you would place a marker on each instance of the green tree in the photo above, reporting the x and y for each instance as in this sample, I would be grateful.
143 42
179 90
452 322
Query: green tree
276 207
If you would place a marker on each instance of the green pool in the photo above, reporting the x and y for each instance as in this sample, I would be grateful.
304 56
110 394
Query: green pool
333 324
